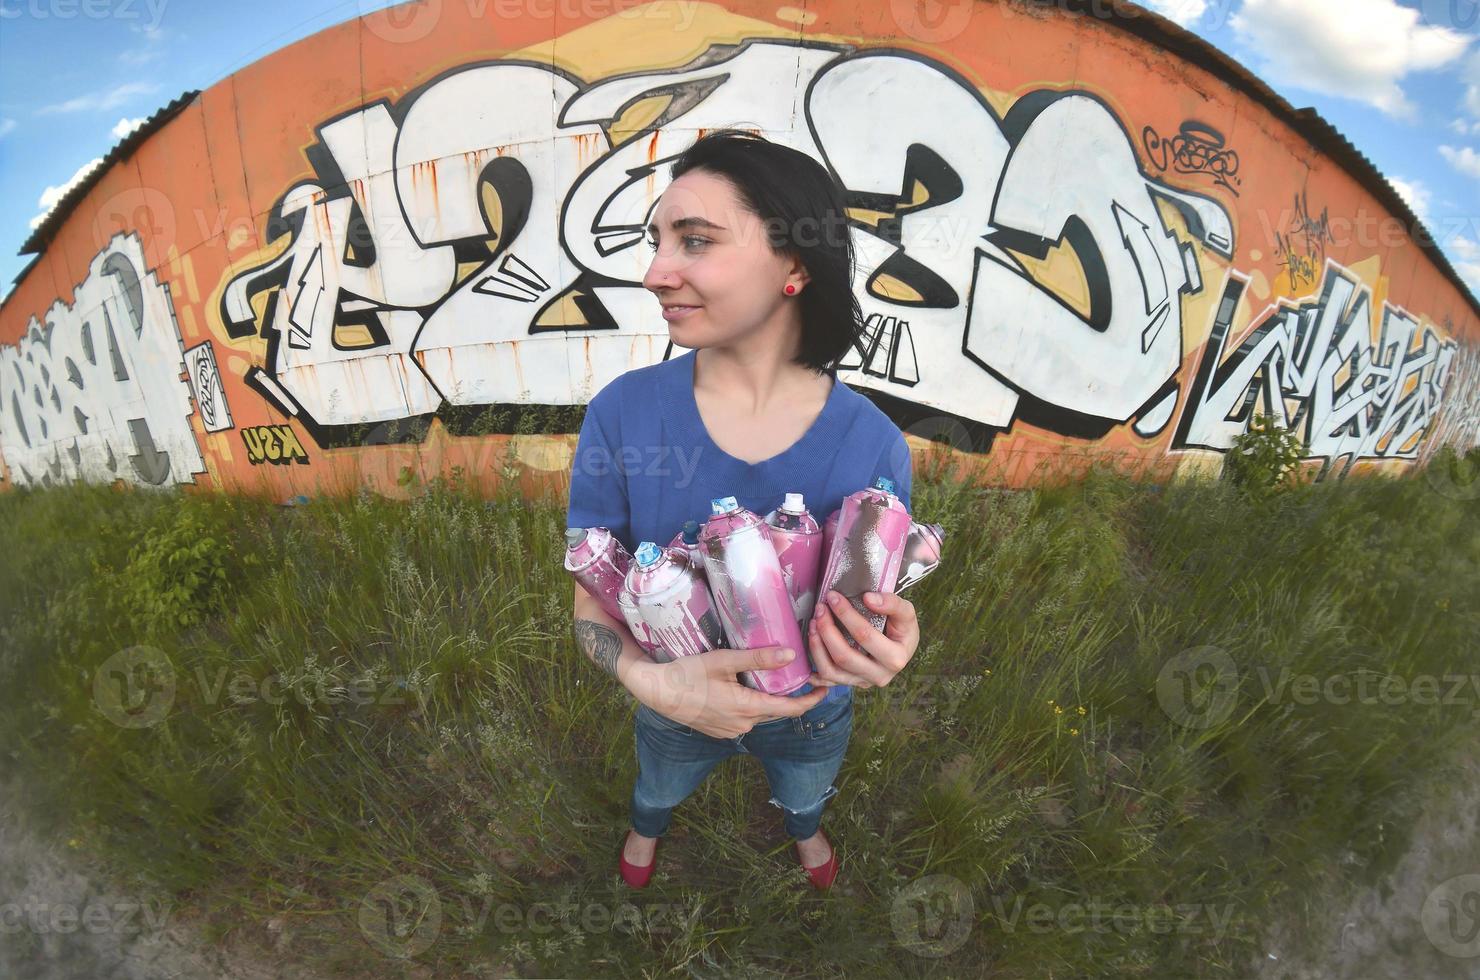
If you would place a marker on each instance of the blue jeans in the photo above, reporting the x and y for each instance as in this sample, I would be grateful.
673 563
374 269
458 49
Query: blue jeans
801 756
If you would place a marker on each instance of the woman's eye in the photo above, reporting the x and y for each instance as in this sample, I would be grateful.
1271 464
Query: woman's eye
690 241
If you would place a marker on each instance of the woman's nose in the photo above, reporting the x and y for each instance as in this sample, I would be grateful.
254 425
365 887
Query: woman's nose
662 273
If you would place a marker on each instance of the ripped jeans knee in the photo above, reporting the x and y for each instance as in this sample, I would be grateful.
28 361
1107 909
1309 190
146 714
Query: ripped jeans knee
803 822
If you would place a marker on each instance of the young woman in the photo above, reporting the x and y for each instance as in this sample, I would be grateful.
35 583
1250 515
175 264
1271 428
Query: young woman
753 271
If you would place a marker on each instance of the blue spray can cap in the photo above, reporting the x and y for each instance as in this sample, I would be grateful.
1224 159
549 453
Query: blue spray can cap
723 505
690 532
885 484
648 553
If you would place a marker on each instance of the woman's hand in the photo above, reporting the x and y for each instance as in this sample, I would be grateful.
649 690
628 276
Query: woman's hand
702 691
880 655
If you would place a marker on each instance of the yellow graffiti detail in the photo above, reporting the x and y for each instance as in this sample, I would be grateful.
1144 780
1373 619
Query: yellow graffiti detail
273 444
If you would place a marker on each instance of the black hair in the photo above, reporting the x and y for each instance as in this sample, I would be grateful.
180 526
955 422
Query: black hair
802 209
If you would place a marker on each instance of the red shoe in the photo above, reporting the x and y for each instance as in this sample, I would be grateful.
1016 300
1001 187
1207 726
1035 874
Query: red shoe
634 874
824 874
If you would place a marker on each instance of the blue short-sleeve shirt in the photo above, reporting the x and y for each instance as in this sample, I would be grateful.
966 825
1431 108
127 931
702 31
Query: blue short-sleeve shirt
645 463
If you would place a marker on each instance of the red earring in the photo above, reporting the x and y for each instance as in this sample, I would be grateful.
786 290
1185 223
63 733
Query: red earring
790 289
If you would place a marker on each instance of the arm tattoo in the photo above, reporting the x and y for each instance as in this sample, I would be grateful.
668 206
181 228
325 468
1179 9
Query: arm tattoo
600 643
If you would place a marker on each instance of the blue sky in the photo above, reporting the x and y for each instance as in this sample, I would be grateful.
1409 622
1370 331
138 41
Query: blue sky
1400 78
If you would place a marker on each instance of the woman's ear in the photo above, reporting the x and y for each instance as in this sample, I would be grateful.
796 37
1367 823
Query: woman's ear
799 275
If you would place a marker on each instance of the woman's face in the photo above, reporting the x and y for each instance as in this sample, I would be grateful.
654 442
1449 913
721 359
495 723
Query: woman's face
712 265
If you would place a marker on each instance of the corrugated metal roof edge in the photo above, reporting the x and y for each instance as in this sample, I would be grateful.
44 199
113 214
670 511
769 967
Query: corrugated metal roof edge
42 235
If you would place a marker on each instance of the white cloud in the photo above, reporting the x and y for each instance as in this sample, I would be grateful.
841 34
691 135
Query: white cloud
1471 77
1415 195
52 195
1464 255
109 99
1359 49
134 57
1184 12
1463 159
126 126
6 125
153 47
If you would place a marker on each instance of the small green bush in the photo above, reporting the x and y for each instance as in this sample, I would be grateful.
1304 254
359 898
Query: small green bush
176 572
1264 460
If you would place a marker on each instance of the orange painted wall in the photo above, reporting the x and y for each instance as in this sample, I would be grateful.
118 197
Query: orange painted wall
294 272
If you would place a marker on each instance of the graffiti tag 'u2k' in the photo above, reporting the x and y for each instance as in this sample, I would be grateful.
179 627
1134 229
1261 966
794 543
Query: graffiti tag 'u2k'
465 247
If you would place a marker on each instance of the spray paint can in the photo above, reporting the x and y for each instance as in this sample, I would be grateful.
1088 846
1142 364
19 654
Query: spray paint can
867 548
596 559
748 588
687 541
921 554
673 602
639 629
829 531
798 543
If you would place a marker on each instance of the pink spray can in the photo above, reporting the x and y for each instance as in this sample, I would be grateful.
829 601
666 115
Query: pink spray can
829 531
596 559
867 548
798 543
687 541
921 554
746 582
673 601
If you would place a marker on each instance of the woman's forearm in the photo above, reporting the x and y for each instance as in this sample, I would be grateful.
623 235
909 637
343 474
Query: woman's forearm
609 644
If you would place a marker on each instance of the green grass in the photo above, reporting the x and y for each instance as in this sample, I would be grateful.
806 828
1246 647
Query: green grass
448 729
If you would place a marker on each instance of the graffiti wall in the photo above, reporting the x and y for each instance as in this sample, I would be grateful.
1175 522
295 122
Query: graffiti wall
375 251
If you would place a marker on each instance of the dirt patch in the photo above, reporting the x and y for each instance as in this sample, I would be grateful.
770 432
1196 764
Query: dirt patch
61 919
1422 921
